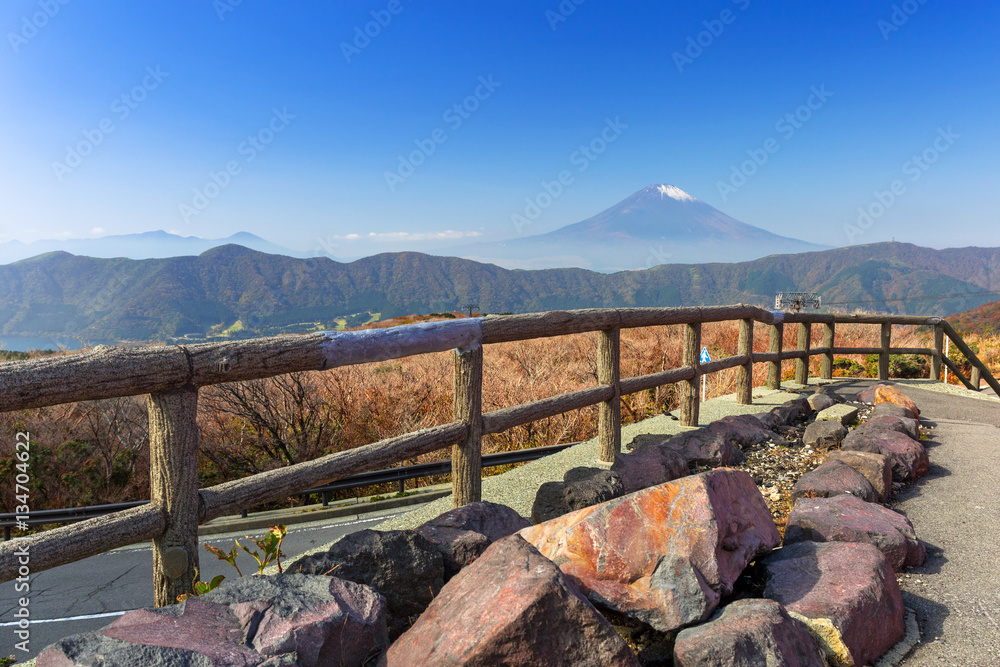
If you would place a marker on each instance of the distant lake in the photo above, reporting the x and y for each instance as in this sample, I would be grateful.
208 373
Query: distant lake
28 343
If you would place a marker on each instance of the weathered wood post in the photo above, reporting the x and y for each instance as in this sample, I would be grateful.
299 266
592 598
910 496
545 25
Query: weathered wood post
690 399
977 377
744 376
173 481
826 362
802 363
467 457
776 345
883 357
938 352
609 422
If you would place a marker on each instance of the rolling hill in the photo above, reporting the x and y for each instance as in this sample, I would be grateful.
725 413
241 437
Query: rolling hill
245 292
982 320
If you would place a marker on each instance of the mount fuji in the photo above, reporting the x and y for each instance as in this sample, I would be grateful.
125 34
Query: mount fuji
660 224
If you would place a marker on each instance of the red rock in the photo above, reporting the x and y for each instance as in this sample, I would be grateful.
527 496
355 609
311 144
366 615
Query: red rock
845 518
820 401
847 590
663 555
833 478
511 607
322 620
909 456
904 425
884 393
648 465
748 632
877 469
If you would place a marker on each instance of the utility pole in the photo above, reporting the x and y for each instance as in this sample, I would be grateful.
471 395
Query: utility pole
471 307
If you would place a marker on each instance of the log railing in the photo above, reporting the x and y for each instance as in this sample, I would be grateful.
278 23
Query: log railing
171 377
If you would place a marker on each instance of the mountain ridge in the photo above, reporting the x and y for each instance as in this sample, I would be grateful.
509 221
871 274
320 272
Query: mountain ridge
154 299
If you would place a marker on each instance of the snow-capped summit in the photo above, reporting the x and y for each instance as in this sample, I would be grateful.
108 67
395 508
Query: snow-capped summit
672 191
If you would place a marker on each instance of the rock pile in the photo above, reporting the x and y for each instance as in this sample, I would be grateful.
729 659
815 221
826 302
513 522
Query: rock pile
656 545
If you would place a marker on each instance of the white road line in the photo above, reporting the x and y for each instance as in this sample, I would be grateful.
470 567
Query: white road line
69 618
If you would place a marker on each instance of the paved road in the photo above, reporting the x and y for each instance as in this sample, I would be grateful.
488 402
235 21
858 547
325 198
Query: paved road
122 580
956 511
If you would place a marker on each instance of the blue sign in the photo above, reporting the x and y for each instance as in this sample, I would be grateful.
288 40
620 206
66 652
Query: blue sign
704 356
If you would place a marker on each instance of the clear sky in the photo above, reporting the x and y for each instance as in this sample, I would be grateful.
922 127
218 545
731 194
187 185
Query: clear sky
284 118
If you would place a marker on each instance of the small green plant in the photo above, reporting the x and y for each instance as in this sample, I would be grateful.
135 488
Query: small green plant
270 548
6 662
269 552
374 499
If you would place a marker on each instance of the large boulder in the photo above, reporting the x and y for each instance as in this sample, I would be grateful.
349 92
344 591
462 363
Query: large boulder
581 487
909 456
885 393
649 464
748 632
792 412
665 555
833 478
462 534
706 447
877 469
742 430
400 564
904 425
193 633
295 619
892 410
824 435
845 591
511 607
820 401
845 518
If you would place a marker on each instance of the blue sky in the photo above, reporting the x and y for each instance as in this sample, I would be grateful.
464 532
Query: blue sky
300 120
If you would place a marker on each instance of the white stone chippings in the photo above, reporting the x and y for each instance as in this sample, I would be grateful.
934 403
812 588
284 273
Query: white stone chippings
343 348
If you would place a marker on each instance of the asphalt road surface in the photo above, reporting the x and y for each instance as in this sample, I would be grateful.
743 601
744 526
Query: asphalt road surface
89 594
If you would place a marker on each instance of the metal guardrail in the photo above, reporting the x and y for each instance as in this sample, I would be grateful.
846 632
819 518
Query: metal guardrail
400 474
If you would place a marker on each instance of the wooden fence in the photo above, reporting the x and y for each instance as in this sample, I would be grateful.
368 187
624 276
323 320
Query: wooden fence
171 377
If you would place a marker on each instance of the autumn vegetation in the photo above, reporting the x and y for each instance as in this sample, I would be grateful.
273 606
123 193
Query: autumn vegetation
97 452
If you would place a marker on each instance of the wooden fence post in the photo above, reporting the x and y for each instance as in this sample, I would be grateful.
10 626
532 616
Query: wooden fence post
467 457
744 376
776 346
690 399
802 363
609 422
173 481
976 378
938 352
883 357
826 362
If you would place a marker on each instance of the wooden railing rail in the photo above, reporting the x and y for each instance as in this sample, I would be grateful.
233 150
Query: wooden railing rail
171 377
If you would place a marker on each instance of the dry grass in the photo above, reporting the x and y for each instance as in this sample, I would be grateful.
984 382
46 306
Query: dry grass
98 451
